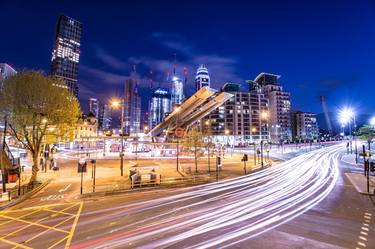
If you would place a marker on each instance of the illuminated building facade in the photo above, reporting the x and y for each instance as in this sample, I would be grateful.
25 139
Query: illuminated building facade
160 106
202 78
305 126
66 52
238 121
279 106
94 106
132 107
177 91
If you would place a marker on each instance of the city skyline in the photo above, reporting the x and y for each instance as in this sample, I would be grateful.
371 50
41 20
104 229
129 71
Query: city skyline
329 59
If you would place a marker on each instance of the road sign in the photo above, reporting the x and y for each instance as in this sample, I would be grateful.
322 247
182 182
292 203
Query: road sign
179 132
82 165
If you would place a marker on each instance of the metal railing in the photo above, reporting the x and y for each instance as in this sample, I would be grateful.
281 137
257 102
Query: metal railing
14 161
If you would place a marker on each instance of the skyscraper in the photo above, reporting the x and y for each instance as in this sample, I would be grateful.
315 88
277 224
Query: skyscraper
202 78
132 107
105 118
177 91
94 106
66 52
279 117
160 104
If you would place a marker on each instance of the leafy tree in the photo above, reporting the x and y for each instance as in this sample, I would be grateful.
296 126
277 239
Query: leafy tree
195 139
367 132
39 110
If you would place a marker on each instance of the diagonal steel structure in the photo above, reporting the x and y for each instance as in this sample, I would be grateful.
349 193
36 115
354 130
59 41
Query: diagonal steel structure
190 111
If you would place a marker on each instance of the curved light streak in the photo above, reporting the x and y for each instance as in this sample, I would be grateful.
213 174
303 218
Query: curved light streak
225 213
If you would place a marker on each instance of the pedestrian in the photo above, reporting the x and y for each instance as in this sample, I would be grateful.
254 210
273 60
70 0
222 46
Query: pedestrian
41 161
51 163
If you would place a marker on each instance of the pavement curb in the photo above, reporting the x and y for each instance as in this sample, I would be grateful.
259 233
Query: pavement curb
25 196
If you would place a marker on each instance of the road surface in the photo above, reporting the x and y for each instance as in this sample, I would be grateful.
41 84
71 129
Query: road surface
305 202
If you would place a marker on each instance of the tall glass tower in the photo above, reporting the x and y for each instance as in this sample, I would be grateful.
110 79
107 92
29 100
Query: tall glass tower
159 106
66 51
202 78
132 107
177 91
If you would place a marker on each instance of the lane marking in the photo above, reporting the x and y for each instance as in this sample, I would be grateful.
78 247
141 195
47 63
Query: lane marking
365 228
65 189
363 233
74 226
15 244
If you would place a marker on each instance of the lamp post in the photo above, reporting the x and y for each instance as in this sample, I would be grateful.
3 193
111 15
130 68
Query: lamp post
208 146
226 135
117 104
264 116
253 130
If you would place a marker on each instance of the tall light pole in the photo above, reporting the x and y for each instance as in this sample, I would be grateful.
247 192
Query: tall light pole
116 104
264 116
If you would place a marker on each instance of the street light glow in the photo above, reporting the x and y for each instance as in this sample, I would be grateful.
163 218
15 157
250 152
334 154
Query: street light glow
115 103
226 131
346 115
372 121
264 115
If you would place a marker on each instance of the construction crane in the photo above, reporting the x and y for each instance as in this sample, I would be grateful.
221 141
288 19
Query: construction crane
326 114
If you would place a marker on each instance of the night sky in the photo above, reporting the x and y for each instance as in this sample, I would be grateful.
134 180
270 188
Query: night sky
318 47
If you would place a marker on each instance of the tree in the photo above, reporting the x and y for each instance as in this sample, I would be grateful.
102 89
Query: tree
367 132
39 110
195 138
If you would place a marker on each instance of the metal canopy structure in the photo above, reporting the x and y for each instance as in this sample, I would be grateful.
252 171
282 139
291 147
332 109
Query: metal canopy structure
191 110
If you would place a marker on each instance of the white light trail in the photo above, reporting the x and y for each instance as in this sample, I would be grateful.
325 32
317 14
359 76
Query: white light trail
225 213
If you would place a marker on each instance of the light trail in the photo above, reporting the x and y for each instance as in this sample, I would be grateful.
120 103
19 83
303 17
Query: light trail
225 213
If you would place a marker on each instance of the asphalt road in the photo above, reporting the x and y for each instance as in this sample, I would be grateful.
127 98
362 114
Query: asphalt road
306 202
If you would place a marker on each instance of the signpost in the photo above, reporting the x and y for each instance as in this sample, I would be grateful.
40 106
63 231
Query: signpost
244 160
218 165
179 132
82 167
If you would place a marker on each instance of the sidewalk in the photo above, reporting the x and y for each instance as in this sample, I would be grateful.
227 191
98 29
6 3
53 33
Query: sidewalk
359 181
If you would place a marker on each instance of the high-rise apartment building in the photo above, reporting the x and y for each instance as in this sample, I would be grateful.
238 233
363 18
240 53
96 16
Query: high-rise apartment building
5 72
160 106
202 78
66 52
239 120
305 126
177 91
132 107
94 107
279 116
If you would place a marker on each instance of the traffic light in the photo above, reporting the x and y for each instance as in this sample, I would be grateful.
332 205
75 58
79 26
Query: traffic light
245 158
218 161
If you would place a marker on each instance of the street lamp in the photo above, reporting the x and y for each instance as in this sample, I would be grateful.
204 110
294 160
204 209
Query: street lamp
116 104
346 116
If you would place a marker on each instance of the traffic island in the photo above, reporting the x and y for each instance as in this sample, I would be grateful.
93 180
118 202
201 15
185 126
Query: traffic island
359 181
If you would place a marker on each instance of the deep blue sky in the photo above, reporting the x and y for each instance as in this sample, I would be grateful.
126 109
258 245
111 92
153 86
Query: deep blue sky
318 47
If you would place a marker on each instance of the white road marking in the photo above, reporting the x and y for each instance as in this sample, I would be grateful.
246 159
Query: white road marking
361 244
365 228
366 225
368 214
364 233
53 198
65 189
